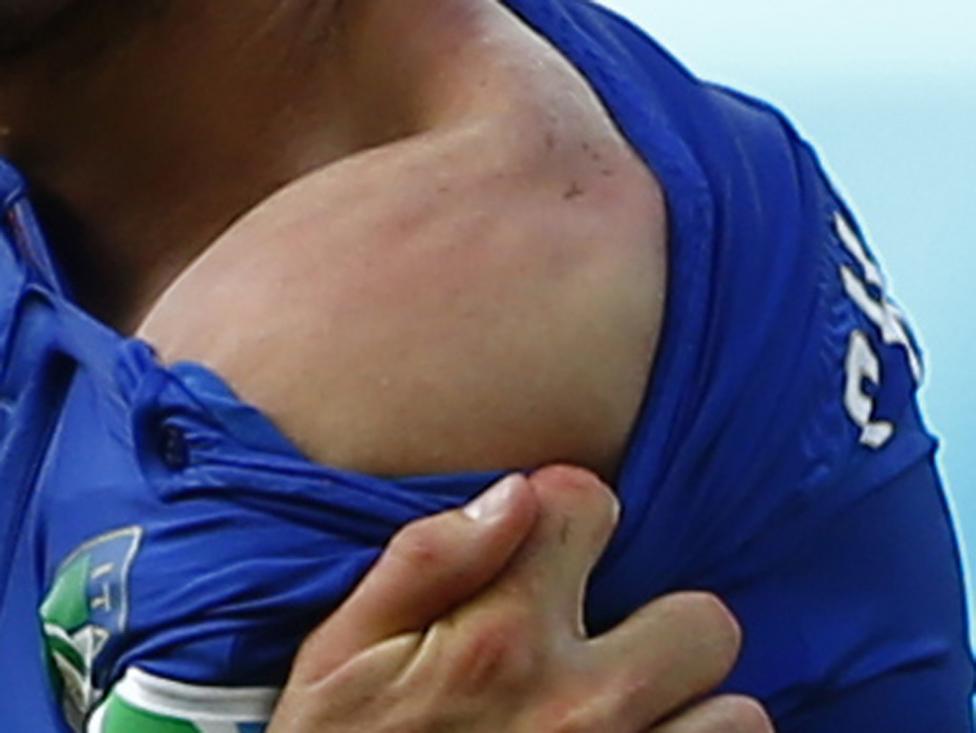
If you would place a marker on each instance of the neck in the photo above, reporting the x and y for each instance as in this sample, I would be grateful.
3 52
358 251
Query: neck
146 153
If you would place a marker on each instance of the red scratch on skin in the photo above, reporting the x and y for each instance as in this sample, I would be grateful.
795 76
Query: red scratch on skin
575 191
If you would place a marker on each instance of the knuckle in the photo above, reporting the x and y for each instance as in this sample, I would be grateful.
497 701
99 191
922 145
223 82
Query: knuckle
418 546
744 715
498 653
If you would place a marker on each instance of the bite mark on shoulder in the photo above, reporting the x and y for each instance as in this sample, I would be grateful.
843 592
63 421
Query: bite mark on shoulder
574 191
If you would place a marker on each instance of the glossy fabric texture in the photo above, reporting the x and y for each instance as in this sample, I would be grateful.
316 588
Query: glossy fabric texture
745 474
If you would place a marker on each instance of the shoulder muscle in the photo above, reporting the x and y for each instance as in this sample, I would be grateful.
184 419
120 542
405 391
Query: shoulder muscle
448 303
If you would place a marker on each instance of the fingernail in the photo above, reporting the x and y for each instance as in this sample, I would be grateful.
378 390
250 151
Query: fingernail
495 502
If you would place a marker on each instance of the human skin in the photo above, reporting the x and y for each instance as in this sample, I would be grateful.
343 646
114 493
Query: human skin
511 222
472 621
433 225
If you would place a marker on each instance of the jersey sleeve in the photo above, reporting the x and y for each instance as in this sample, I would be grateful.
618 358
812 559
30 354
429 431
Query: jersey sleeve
780 458
180 585
858 623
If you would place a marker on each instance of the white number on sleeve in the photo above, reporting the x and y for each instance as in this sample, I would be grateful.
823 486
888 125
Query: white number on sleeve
862 361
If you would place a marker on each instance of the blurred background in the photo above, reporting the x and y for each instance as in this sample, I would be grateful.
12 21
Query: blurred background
887 93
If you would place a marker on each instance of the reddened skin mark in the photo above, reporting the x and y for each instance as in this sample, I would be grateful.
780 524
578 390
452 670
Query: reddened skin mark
574 191
594 154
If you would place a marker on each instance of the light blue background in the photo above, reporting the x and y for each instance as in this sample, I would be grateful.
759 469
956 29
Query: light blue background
886 90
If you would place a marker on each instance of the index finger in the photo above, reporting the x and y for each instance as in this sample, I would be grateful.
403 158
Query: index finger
430 566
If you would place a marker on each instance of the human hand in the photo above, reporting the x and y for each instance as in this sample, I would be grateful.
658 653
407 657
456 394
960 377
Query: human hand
472 621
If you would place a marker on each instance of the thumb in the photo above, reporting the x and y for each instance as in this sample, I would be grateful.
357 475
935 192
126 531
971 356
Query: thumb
428 568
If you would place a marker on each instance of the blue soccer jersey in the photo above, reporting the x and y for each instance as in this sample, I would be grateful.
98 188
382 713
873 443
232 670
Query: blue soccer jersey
164 548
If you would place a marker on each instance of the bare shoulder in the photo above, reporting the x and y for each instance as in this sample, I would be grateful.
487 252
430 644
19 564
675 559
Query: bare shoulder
473 298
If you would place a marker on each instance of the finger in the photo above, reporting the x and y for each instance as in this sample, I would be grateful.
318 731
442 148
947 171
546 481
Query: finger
577 515
726 714
429 567
666 655
347 691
